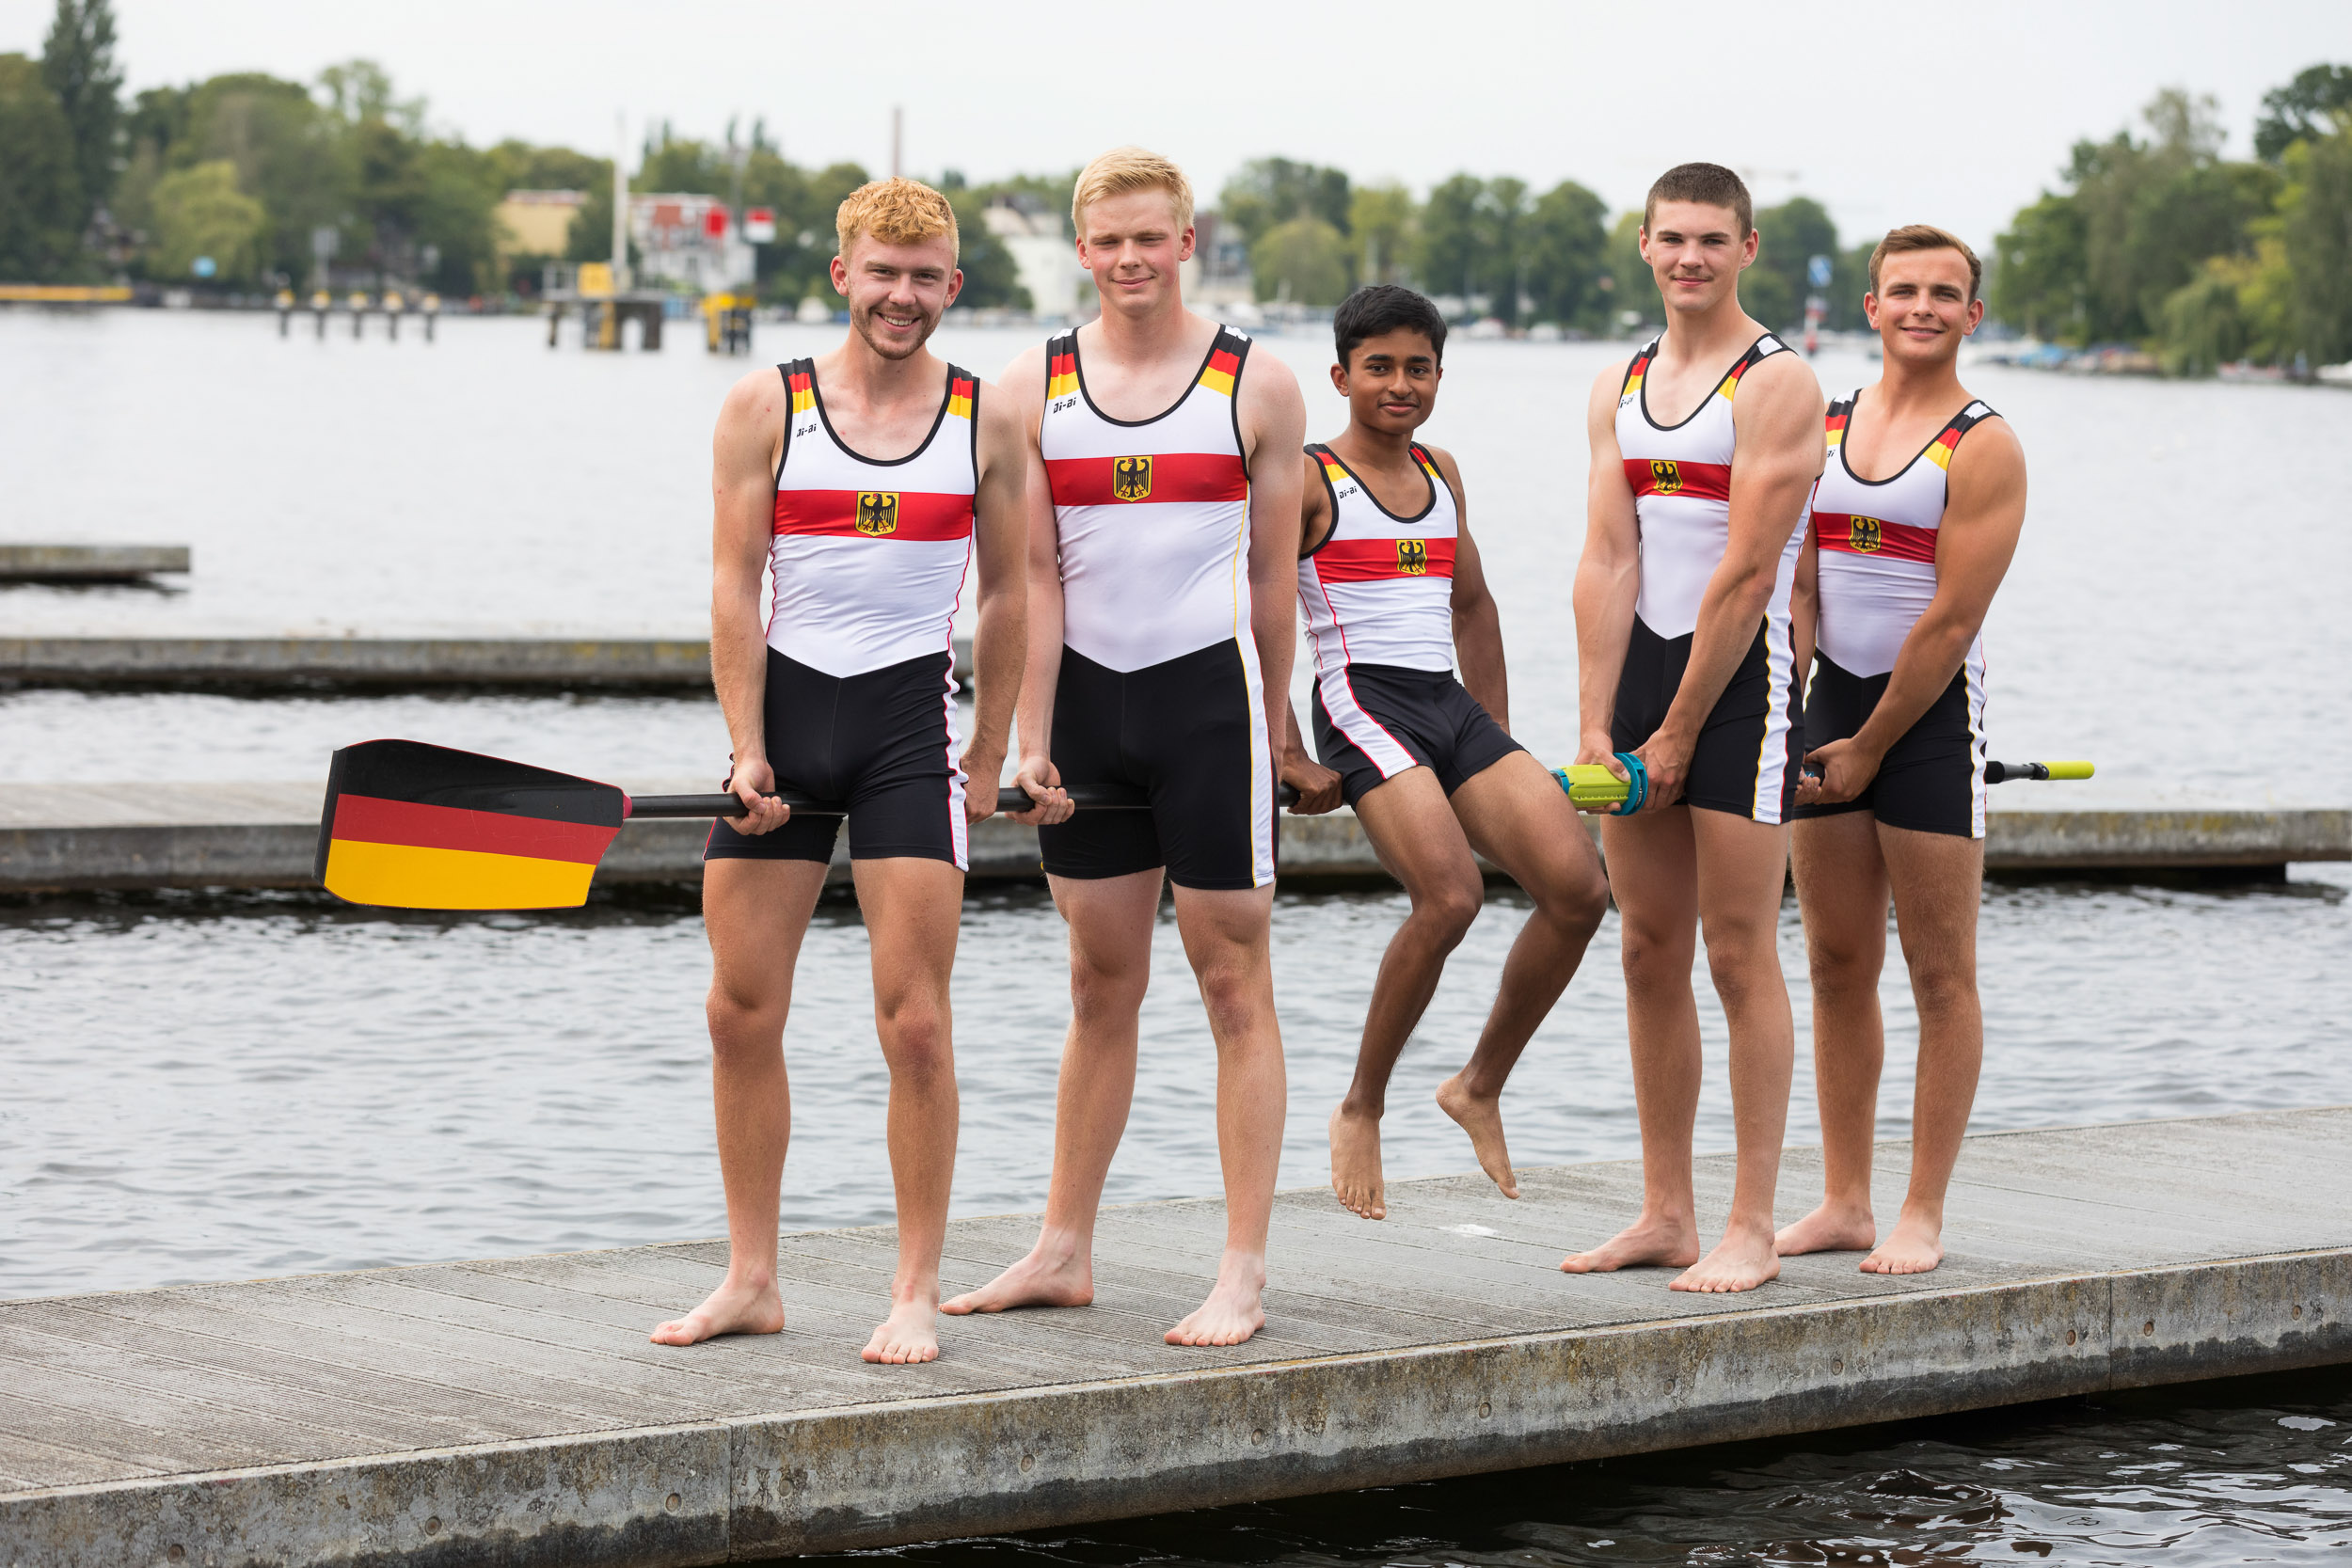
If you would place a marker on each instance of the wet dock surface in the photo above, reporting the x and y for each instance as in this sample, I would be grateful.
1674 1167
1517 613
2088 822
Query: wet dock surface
512 1409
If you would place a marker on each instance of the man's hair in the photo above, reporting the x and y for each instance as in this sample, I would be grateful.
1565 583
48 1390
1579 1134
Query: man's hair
1711 185
896 212
1123 171
1925 236
1382 307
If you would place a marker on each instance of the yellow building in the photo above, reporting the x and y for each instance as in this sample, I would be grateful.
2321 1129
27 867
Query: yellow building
536 223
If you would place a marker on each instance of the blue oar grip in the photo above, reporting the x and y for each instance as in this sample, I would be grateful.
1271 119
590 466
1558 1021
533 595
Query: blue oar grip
1637 784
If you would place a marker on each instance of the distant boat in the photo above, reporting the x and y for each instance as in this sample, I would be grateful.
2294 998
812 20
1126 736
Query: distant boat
2334 375
2245 370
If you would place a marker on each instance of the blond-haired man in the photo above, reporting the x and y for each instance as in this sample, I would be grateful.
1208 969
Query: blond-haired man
1164 492
866 480
1914 524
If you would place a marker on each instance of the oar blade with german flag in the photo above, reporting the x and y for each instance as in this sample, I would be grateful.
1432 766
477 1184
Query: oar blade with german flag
416 827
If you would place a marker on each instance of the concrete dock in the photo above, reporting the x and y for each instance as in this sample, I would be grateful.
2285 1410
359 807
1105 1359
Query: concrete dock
263 664
119 836
89 563
512 1410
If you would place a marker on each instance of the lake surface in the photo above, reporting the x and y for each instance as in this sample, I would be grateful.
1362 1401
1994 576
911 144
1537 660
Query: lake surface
211 1087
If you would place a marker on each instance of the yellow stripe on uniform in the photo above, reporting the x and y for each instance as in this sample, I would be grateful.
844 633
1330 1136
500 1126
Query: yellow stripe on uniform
409 877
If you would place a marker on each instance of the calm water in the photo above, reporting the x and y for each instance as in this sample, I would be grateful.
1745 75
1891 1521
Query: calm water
209 1088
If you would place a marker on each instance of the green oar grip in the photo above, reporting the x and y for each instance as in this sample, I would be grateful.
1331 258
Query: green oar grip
1589 784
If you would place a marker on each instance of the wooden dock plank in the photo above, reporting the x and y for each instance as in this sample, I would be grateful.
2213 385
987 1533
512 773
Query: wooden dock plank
517 1406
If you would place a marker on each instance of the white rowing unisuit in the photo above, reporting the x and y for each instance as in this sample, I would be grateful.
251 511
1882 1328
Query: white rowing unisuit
870 555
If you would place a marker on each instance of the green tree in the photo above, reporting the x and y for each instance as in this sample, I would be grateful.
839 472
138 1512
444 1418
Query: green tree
517 166
1633 288
1380 218
1445 250
1568 256
78 62
40 194
1270 190
991 279
2316 208
1304 261
288 154
2303 110
2041 284
1789 236
199 212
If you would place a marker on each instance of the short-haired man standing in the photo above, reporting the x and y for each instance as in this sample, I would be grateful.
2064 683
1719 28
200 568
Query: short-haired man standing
864 479
1706 445
1914 522
1395 595
1163 570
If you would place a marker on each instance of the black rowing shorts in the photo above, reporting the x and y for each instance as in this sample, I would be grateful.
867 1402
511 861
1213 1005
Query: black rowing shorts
1375 721
882 743
1188 737
1932 779
1745 762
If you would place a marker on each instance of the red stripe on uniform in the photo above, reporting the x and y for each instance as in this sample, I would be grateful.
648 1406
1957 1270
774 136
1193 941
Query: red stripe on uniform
1379 560
1835 531
918 514
1176 476
1702 481
368 819
1226 360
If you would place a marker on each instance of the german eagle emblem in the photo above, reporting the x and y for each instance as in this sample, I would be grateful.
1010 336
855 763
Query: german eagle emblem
1864 535
1665 477
1131 478
877 513
1412 558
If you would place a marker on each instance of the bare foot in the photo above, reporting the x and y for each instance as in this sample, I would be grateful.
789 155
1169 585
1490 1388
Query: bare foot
748 1307
1915 1245
1055 1274
1235 1309
1483 1121
909 1334
1356 1164
1645 1244
1832 1228
1740 1261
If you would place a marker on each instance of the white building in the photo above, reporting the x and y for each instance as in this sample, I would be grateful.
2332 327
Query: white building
1045 258
687 239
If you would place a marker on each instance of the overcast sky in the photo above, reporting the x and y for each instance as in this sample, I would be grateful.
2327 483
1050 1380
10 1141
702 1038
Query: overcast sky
1954 114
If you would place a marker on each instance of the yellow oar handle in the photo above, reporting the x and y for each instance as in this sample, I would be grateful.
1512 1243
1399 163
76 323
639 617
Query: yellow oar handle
1590 784
2001 772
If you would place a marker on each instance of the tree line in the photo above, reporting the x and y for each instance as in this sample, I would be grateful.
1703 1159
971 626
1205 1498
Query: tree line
2161 242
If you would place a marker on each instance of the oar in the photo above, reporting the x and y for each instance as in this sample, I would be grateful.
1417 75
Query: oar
416 827
2002 773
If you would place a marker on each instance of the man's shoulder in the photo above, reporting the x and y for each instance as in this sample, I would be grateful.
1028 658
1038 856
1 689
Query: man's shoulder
757 396
1780 372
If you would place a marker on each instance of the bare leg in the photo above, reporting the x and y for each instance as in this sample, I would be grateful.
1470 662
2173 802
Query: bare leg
1653 868
1842 887
913 908
1224 932
755 913
1517 816
1110 963
1937 881
1413 830
1742 868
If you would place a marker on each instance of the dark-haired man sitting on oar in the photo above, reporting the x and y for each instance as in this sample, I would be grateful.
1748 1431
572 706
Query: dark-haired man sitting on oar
1393 590
863 479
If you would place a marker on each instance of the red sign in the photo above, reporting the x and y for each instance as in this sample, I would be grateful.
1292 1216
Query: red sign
759 224
715 222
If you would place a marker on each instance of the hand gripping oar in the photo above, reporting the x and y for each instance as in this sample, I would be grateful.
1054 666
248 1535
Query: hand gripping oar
1589 783
417 827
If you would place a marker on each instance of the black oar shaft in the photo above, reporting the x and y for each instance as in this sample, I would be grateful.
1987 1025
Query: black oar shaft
1007 800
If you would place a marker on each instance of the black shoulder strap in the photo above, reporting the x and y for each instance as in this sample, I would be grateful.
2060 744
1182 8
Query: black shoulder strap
1635 366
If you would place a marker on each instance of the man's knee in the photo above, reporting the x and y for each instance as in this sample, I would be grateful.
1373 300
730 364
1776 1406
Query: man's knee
1742 962
1576 901
1841 962
1446 907
914 1037
1103 988
1235 990
1942 981
1655 962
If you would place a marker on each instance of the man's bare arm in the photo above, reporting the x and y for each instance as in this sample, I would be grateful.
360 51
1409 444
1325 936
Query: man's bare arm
1607 575
1477 624
1776 457
999 641
1273 428
744 449
1984 513
1022 394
